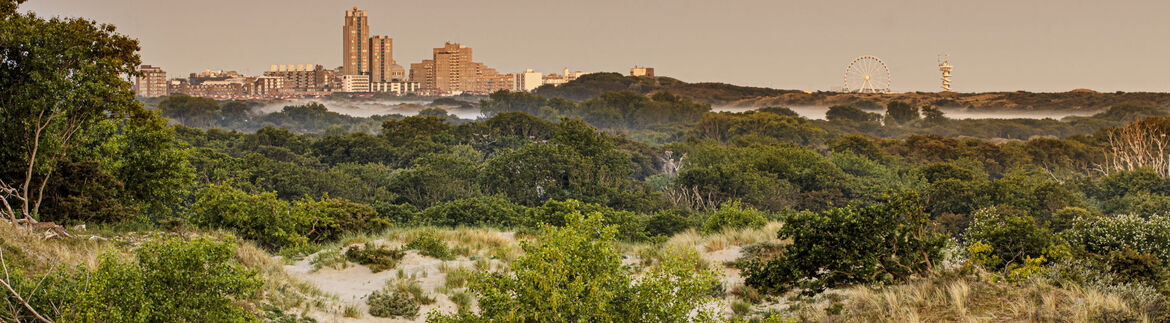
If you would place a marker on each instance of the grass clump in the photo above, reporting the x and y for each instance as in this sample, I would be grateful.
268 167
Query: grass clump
377 257
457 278
332 258
392 303
429 245
412 287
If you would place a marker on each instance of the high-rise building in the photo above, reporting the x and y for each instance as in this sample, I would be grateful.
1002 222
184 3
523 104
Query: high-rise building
423 73
152 82
383 68
355 53
452 71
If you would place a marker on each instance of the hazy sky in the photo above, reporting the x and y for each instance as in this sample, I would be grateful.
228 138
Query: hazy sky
995 45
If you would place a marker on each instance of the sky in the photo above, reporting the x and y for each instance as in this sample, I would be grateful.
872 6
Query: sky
995 45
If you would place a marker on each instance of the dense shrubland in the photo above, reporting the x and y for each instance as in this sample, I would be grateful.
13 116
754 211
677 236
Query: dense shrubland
902 202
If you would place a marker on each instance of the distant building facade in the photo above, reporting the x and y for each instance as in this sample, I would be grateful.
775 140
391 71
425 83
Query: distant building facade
303 77
451 70
528 80
564 77
151 83
354 48
267 85
396 87
383 67
355 83
641 71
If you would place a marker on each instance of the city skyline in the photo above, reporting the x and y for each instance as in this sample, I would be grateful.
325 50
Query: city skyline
994 46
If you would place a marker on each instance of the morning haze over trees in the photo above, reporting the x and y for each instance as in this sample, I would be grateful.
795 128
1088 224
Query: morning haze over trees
608 198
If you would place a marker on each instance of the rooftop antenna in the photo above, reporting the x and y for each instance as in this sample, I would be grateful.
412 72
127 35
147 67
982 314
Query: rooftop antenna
945 67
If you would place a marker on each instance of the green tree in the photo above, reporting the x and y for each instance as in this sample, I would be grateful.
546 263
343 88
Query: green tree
58 78
898 113
191 111
148 159
850 113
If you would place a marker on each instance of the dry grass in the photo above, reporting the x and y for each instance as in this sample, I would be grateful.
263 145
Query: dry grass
280 288
727 238
973 299
467 242
44 254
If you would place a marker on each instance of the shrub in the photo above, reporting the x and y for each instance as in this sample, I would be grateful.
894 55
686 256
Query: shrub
335 216
428 245
1063 219
666 223
575 273
377 257
212 285
734 215
478 211
886 242
1104 235
263 218
277 224
392 303
629 224
1011 234
1130 266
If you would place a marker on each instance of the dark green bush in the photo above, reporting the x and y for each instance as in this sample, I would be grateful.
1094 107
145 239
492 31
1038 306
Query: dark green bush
478 211
377 257
882 243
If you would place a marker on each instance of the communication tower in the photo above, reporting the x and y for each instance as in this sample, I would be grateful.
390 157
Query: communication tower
946 69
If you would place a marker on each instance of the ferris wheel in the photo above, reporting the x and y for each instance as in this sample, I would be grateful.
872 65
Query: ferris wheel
867 74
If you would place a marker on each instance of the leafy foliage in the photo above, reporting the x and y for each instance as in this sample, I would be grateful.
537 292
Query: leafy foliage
882 243
734 215
144 291
574 273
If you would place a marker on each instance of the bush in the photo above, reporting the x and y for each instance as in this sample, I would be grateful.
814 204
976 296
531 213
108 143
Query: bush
478 211
277 224
884 243
377 257
428 245
575 273
735 215
262 218
213 285
630 225
666 223
392 303
1011 235
1105 235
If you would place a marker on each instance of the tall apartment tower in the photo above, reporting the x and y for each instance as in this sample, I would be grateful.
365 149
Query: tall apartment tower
355 52
152 82
382 59
454 70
